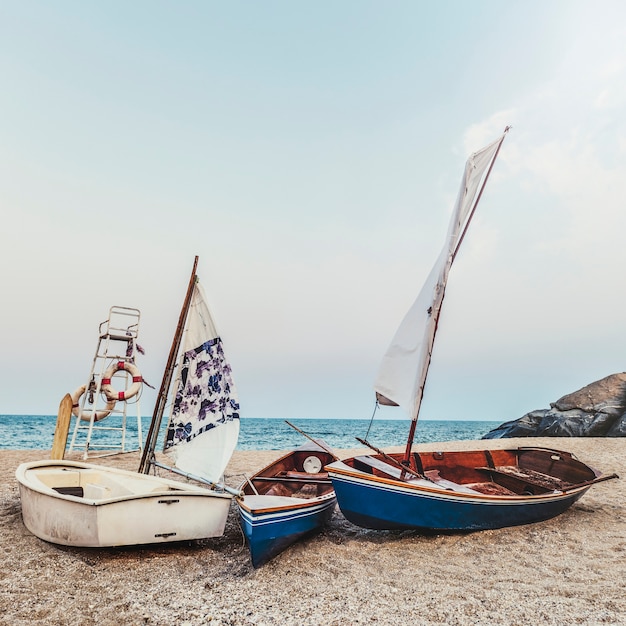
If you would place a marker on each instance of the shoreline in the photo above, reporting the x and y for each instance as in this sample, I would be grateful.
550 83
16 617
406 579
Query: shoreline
568 570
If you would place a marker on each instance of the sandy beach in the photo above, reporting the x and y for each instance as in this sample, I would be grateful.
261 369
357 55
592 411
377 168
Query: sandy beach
569 570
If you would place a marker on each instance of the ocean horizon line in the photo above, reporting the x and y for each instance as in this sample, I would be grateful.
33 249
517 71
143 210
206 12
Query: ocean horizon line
256 433
255 417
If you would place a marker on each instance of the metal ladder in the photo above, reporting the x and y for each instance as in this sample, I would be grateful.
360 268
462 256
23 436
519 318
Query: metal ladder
116 351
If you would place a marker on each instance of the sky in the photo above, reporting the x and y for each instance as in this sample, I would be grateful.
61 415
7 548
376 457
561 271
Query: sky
310 155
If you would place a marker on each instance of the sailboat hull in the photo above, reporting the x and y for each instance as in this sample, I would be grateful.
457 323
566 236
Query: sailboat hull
462 495
84 505
387 507
463 490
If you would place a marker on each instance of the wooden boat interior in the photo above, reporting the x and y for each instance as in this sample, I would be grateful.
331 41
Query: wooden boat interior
93 484
522 471
298 474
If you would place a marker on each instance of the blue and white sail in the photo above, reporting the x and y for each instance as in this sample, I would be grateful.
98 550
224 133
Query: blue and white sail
402 374
204 423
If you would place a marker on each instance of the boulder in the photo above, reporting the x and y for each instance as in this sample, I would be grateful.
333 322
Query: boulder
597 410
619 428
523 427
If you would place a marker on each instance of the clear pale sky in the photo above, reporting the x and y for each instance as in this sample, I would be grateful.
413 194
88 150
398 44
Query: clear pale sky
310 154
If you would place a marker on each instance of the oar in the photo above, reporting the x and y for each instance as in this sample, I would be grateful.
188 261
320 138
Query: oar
397 463
318 443
600 479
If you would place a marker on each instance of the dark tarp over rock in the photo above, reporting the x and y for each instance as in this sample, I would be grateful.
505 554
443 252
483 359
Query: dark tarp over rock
597 410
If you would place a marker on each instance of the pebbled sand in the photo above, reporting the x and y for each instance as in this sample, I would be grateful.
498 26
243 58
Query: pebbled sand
569 570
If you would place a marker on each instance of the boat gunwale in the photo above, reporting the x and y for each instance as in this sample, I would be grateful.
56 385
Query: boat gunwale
415 489
177 488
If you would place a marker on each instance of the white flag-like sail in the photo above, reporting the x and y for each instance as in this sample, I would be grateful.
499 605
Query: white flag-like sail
204 425
402 374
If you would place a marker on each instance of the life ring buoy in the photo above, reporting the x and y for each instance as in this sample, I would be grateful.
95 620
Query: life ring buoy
110 392
86 415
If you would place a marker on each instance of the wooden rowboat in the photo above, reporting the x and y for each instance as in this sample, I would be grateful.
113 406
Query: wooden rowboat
460 490
290 498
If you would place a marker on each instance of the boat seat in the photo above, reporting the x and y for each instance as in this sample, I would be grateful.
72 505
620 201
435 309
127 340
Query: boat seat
57 478
114 489
385 468
307 475
390 471
530 477
260 502
96 492
433 475
129 486
491 489
324 480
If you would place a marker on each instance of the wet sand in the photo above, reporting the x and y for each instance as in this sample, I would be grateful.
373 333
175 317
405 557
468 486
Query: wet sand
569 570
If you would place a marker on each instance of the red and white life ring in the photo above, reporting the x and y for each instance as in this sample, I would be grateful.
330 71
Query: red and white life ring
110 392
86 415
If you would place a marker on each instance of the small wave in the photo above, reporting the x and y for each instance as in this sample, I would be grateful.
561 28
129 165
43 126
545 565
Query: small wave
36 432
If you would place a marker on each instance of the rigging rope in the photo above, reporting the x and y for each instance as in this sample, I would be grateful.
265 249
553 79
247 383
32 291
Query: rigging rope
376 405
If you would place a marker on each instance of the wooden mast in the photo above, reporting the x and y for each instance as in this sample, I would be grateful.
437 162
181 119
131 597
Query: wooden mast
147 456
437 312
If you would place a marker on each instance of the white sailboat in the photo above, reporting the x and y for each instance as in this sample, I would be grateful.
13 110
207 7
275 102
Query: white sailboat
82 504
456 490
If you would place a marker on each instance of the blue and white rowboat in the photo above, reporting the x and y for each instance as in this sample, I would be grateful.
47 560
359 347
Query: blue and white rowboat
285 501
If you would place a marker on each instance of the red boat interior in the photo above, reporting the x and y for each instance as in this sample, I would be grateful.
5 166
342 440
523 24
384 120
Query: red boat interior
299 474
523 471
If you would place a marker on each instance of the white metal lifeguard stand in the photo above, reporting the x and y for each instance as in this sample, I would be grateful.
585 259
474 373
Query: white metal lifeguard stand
115 358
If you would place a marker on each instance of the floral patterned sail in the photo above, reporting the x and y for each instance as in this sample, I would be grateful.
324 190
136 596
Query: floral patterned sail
204 424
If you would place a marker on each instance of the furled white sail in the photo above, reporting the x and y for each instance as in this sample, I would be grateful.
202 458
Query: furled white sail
402 374
204 425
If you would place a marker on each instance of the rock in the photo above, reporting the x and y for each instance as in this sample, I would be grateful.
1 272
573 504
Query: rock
597 410
607 395
574 423
523 427
619 428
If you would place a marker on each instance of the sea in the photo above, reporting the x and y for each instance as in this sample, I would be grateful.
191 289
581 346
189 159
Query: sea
36 432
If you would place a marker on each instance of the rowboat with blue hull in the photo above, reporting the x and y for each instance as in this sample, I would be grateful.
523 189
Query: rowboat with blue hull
459 490
285 501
